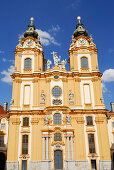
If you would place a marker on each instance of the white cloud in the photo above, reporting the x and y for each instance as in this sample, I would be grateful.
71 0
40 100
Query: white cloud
11 61
75 4
46 38
7 77
104 89
4 59
54 28
108 75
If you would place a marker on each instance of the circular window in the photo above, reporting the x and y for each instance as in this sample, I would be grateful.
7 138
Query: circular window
56 91
56 77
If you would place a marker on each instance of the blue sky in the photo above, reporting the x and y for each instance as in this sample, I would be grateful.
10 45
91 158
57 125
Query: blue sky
56 20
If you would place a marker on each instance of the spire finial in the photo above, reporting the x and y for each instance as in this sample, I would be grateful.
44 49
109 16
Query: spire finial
78 18
32 19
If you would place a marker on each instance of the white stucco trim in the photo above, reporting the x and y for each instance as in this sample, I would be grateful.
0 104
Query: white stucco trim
79 62
22 94
22 62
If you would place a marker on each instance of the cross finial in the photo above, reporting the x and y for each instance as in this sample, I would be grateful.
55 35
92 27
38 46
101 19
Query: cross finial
78 18
32 19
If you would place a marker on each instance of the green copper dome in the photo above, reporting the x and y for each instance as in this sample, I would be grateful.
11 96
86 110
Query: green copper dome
31 30
79 29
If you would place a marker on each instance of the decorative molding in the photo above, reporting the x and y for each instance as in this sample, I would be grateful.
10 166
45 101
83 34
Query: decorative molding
34 121
15 121
99 120
80 120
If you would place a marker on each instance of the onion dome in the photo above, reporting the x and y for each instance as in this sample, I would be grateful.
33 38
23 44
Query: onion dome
79 29
31 30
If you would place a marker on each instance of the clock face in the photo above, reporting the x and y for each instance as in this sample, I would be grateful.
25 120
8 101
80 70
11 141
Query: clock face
82 41
29 42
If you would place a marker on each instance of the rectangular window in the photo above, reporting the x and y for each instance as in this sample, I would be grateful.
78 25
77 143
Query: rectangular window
91 143
2 125
87 94
25 144
93 164
24 164
89 120
27 95
112 124
25 121
1 141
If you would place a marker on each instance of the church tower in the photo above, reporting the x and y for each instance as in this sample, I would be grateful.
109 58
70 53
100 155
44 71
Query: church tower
57 117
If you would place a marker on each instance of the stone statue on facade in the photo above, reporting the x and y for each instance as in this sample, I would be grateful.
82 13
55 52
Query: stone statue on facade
63 63
55 58
102 100
38 40
68 118
71 95
48 64
42 98
46 119
12 102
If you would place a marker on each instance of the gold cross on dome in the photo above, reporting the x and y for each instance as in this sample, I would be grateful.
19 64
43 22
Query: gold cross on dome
32 19
78 18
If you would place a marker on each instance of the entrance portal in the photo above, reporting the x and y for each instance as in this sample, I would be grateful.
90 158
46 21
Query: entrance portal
58 159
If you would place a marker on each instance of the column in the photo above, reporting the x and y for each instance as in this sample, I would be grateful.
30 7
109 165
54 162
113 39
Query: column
72 149
47 148
68 149
43 148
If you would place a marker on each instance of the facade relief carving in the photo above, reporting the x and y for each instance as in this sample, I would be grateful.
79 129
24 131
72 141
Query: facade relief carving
42 97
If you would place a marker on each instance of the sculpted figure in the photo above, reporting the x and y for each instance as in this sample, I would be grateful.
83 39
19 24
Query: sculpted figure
48 64
46 119
71 97
68 118
42 98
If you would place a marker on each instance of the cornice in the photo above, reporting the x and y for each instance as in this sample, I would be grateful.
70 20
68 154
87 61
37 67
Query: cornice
65 75
26 112
90 48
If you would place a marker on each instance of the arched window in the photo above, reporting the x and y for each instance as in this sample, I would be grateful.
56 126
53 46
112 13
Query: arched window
57 137
25 121
57 119
27 63
84 62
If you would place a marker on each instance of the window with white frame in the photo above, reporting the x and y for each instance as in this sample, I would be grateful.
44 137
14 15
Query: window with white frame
2 125
84 62
57 118
27 64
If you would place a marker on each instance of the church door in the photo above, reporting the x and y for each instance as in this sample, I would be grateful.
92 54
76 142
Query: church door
58 159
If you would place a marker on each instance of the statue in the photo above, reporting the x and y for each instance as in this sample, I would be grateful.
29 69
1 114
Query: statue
73 39
48 64
91 39
46 119
102 100
42 98
63 63
71 97
68 118
38 40
55 58
20 40
12 102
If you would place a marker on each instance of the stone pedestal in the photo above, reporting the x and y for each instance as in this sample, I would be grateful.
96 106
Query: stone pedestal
13 165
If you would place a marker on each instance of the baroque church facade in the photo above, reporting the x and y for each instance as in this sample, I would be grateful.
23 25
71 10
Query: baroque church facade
57 117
